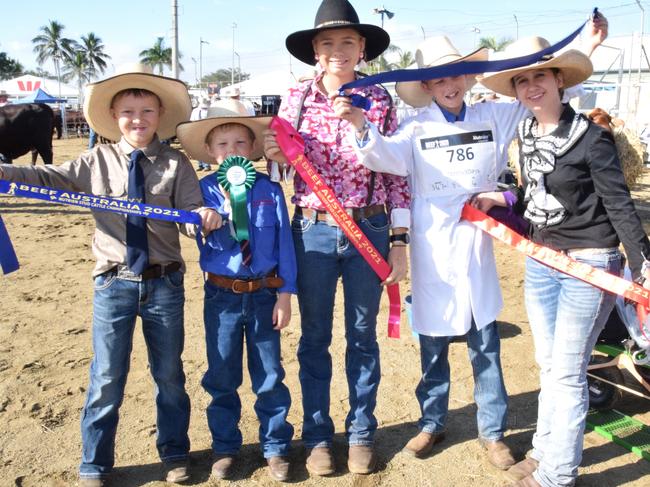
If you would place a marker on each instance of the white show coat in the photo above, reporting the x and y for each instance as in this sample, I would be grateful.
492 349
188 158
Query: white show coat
453 270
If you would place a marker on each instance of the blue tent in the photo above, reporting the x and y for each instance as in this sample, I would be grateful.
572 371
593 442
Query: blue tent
40 96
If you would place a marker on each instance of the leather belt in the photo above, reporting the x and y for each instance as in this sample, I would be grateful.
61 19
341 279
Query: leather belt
591 251
239 286
154 271
324 216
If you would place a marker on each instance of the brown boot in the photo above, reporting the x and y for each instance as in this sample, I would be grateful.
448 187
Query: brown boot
177 471
361 459
222 466
498 453
278 468
320 461
528 481
522 469
421 445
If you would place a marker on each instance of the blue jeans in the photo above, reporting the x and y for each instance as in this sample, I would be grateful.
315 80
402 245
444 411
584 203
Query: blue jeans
228 318
490 394
566 316
324 254
117 304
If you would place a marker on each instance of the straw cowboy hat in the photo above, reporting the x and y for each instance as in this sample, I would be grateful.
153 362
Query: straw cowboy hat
192 134
337 14
434 51
172 93
574 65
230 92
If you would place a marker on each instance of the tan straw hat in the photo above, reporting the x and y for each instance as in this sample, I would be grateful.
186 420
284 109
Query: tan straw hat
192 134
574 65
172 93
434 51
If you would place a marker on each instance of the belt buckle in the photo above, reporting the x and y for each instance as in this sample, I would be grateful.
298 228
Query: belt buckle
123 272
234 283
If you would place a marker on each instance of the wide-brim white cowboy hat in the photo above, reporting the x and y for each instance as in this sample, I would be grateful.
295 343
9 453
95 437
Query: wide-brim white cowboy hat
192 135
337 14
176 102
574 65
434 51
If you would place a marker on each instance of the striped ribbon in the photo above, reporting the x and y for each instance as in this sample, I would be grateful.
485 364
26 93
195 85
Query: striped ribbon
8 258
562 262
457 68
293 148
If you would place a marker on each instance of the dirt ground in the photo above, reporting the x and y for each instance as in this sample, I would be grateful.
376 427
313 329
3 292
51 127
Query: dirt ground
45 351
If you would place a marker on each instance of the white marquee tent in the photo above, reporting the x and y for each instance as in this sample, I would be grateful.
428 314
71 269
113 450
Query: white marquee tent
27 84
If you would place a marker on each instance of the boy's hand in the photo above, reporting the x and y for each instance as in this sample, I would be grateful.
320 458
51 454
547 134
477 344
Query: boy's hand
398 265
210 220
596 31
343 109
272 149
485 201
282 311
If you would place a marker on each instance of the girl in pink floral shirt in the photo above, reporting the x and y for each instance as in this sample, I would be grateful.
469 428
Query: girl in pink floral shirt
338 43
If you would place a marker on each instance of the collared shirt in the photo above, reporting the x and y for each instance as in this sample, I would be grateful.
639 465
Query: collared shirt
452 117
327 147
269 231
170 181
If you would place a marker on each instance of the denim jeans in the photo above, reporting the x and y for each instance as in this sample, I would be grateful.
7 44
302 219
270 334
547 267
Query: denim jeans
566 316
490 394
324 254
228 318
117 304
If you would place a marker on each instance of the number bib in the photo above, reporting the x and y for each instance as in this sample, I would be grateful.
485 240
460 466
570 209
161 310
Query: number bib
459 159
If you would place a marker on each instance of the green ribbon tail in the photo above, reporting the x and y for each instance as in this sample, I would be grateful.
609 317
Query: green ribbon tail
239 211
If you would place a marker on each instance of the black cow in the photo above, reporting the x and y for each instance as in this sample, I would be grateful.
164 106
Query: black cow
25 127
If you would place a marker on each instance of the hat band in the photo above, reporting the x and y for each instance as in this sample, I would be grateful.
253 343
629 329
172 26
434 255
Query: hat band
335 22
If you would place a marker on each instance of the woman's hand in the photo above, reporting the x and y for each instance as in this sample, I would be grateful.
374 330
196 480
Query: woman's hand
597 31
485 201
398 265
343 109
272 149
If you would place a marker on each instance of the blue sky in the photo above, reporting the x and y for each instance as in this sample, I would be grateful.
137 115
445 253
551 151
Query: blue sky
127 27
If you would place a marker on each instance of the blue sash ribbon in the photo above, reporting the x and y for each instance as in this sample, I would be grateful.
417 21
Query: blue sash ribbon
8 259
455 69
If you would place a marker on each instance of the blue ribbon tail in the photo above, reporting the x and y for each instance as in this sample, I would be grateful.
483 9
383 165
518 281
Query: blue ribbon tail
8 258
459 68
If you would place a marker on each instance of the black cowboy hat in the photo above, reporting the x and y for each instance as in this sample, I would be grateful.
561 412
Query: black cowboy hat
337 14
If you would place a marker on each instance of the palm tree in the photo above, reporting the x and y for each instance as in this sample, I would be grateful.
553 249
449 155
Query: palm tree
159 56
96 58
50 44
492 43
78 67
406 60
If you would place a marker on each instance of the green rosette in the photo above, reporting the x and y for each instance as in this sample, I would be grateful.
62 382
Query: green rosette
237 175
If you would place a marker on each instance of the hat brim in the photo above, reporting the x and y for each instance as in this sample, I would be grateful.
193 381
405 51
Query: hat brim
192 134
299 44
575 66
413 93
176 102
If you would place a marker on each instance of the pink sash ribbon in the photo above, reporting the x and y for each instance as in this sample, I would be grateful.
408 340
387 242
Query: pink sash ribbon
562 262
293 148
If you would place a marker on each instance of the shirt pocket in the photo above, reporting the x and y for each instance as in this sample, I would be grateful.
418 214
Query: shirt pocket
160 187
264 221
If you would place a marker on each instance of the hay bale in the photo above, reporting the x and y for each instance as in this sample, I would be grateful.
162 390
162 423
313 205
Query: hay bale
630 152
